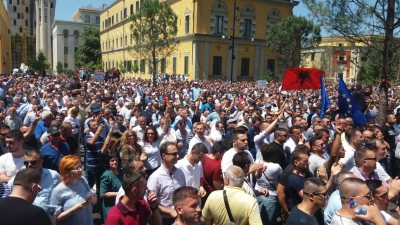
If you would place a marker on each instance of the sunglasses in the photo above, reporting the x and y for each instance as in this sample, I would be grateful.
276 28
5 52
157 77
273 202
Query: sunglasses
173 154
324 195
375 159
33 162
55 135
39 187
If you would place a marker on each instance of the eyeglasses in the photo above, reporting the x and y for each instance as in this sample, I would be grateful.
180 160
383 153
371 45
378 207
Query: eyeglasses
367 196
324 194
33 162
39 187
142 175
80 167
375 159
173 154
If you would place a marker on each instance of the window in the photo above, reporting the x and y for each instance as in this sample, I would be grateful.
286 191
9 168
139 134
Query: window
217 65
9 1
247 27
187 24
125 13
219 24
26 9
121 14
97 19
20 29
26 22
126 40
163 65
342 58
364 58
76 34
131 38
17 2
137 6
128 65
51 5
174 65
142 64
116 17
116 42
271 65
65 50
186 65
312 56
19 15
245 67
87 19
121 42
65 65
15 8
15 22
112 20
66 33
150 64
131 9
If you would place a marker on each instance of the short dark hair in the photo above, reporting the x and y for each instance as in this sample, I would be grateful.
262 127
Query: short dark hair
131 177
267 151
199 147
218 147
312 185
320 132
294 127
237 132
296 155
360 154
373 185
182 193
16 134
164 147
349 134
371 144
119 116
4 127
27 177
241 159
30 152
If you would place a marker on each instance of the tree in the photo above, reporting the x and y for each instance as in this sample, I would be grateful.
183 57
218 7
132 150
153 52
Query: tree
154 29
39 64
268 76
70 73
88 52
135 67
370 73
288 37
59 67
122 68
371 23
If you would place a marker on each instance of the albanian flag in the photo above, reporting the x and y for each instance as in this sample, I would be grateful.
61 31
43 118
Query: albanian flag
302 78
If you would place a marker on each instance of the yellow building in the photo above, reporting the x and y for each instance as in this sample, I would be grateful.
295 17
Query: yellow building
204 30
5 41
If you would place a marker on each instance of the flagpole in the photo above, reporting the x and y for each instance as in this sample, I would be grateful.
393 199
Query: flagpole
368 107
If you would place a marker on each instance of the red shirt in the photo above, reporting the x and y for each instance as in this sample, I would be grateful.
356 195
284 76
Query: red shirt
212 172
121 215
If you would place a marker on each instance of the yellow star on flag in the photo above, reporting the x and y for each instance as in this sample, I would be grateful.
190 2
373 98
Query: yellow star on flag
348 100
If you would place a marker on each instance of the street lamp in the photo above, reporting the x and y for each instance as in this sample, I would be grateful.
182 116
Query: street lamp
232 47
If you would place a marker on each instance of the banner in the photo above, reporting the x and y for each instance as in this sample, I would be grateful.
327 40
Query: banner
262 83
301 78
98 76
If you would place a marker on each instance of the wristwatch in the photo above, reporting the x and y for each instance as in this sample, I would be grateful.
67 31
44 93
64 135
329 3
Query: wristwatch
154 209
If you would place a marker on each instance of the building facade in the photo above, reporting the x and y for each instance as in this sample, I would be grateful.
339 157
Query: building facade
204 35
5 41
67 35
336 56
30 22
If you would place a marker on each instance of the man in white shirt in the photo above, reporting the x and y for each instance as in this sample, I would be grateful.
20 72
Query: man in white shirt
296 138
354 140
200 137
218 133
140 128
192 168
13 161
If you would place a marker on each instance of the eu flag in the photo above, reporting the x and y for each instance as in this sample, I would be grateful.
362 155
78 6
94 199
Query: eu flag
347 106
325 103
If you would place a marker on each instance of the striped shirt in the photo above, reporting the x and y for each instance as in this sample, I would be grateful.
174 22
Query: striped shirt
93 152
244 207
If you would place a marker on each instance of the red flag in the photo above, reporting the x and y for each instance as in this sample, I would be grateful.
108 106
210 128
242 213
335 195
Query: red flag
77 74
301 78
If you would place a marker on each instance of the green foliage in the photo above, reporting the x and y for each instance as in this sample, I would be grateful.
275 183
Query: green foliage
59 67
268 76
371 72
122 68
88 52
290 36
39 64
154 29
70 73
135 67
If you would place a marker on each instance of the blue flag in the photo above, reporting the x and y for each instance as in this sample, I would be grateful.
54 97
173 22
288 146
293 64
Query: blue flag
347 106
325 103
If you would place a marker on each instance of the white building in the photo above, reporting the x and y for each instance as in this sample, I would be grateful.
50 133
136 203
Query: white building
67 35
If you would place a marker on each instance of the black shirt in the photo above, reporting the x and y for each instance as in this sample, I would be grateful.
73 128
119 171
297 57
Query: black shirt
299 217
279 155
285 174
389 136
294 184
17 211
73 86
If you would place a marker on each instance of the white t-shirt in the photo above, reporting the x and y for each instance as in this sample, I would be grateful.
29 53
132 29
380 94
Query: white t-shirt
10 165
273 172
193 174
227 159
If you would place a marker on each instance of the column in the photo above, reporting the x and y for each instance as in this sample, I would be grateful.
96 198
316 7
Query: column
262 61
235 62
228 62
256 67
196 65
48 34
37 24
41 36
206 59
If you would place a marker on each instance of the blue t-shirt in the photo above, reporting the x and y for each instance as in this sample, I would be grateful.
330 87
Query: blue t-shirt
52 157
93 152
67 196
294 185
40 129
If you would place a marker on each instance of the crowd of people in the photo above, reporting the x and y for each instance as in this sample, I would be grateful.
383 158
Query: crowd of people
179 152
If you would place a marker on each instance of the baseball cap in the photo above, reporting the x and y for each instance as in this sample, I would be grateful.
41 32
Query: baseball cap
53 130
95 108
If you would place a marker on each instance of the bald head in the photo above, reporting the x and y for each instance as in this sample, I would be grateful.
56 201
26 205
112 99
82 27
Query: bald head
234 176
368 134
351 187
